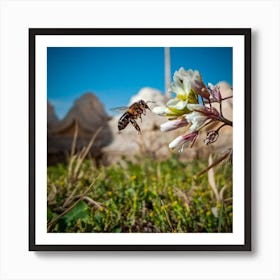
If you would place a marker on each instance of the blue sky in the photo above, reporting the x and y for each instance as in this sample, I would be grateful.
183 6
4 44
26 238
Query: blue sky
115 74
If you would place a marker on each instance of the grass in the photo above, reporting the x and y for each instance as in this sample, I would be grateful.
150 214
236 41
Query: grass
147 196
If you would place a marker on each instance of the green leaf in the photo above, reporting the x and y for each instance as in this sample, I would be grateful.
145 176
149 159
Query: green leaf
49 214
80 211
117 229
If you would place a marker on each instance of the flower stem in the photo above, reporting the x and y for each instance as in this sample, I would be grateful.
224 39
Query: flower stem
226 121
221 127
215 101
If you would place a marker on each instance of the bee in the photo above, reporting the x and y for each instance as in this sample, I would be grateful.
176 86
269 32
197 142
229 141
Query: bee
133 112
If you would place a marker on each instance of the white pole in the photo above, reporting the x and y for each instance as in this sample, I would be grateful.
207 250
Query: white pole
167 70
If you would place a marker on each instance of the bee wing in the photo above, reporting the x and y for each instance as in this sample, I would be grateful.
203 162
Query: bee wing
119 110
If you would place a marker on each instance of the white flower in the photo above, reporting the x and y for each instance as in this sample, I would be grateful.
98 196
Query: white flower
186 79
177 104
182 140
174 107
185 83
162 111
174 124
179 141
197 120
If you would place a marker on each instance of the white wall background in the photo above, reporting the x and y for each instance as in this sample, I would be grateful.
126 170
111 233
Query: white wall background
16 262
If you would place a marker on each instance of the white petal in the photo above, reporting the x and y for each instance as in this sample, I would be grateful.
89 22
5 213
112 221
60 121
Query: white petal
159 110
181 105
197 119
191 117
177 88
177 142
187 85
197 76
182 71
179 74
172 102
198 107
174 124
177 104
211 86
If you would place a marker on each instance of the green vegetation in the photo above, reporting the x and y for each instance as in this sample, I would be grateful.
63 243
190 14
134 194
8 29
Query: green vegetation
147 196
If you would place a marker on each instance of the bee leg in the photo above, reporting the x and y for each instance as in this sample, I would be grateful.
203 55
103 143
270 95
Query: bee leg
136 126
139 111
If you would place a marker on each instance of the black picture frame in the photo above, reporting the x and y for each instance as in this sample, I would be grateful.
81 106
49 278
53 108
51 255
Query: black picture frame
33 35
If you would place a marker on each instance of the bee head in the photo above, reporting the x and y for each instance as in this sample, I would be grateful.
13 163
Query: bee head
144 104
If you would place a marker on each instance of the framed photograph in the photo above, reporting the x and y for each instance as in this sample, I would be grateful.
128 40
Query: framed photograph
140 139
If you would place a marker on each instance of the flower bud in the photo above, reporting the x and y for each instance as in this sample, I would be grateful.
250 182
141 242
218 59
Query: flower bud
183 140
174 124
215 92
204 93
211 113
211 137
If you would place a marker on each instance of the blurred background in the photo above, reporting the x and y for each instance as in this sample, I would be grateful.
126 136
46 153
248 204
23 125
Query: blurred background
84 83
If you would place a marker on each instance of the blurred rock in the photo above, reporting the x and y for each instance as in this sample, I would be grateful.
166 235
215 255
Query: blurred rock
52 118
88 115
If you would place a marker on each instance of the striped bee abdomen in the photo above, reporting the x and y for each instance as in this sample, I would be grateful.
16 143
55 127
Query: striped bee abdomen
124 120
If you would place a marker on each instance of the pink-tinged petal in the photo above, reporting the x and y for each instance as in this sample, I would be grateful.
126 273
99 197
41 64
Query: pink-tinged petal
174 124
216 94
179 141
183 140
203 92
211 113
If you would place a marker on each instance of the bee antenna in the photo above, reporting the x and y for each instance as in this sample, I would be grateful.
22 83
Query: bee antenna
150 101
